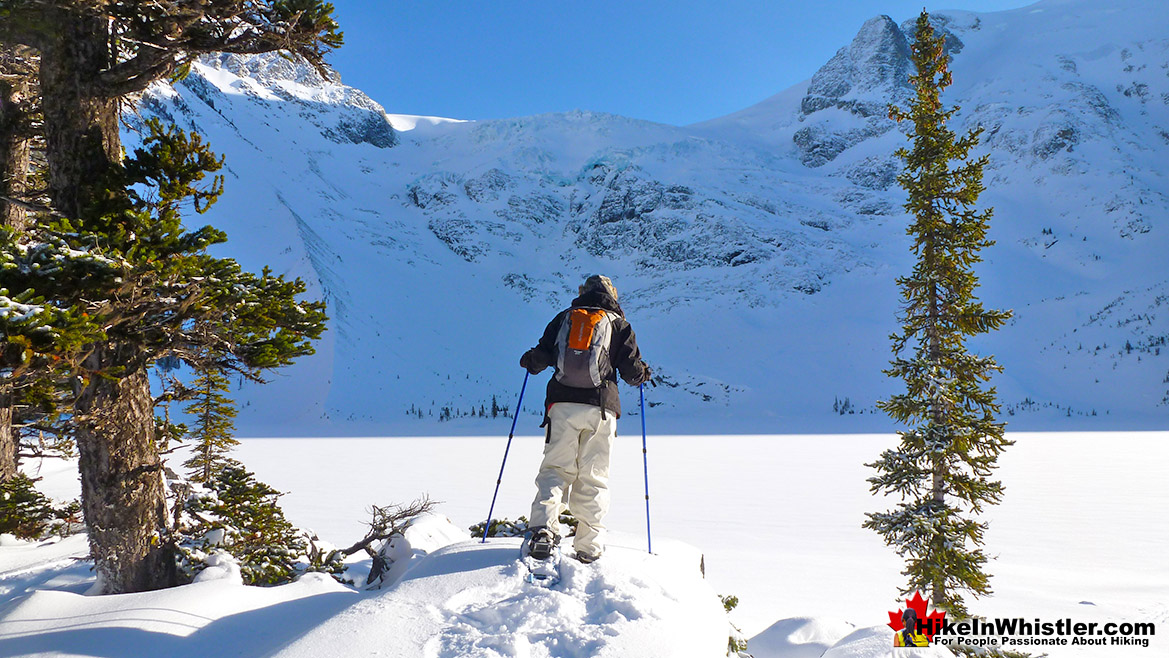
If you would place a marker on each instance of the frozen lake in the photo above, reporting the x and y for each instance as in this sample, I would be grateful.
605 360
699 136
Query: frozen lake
1081 532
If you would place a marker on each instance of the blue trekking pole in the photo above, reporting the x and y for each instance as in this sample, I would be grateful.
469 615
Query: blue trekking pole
510 435
645 464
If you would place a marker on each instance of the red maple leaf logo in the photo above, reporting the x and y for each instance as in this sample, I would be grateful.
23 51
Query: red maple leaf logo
930 624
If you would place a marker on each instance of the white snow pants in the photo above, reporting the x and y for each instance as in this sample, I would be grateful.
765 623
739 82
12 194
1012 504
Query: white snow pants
575 471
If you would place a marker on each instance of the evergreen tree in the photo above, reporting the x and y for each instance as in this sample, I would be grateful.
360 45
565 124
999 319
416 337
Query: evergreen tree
28 514
943 465
213 427
153 290
38 342
92 55
254 530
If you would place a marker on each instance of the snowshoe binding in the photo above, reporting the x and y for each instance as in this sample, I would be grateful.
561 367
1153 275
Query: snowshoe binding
540 553
542 544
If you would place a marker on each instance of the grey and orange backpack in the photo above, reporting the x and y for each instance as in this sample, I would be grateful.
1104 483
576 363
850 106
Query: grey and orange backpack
582 347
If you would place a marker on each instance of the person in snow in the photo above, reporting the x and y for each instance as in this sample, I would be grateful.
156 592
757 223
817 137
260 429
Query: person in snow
588 344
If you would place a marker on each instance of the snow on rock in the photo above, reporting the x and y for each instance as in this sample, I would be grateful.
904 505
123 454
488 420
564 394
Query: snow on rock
799 637
876 60
471 599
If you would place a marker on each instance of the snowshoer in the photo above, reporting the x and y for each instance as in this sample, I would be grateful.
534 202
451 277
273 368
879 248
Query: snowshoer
589 344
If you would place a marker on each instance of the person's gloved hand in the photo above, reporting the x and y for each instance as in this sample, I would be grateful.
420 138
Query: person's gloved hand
647 375
529 362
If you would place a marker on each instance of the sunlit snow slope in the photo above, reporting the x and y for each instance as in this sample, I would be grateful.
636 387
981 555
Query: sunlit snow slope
755 254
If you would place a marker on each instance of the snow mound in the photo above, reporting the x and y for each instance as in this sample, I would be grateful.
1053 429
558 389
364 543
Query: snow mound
799 637
471 599
427 534
877 642
464 599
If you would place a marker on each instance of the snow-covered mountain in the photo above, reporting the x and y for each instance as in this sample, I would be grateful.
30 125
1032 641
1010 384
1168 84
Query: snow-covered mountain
755 254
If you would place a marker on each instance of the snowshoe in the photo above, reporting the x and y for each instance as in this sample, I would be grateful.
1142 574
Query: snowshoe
542 572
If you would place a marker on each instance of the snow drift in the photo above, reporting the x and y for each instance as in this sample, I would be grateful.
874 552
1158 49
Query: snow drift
463 599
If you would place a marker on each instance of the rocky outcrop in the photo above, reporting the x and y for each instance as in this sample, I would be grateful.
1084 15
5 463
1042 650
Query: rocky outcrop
342 114
861 80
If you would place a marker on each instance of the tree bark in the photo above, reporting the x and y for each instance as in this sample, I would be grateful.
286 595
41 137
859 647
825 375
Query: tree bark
8 450
15 152
81 125
122 494
938 417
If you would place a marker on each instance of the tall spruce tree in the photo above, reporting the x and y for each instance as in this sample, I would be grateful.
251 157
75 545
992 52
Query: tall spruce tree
943 465
92 55
213 428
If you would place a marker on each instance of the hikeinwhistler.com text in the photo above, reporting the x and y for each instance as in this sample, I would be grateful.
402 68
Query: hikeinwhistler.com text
1013 632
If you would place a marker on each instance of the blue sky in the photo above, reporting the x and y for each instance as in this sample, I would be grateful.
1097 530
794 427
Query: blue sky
672 61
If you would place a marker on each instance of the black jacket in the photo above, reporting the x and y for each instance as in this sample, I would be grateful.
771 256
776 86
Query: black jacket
623 354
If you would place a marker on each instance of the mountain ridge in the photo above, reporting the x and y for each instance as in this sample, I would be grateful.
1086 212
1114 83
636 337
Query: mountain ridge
755 253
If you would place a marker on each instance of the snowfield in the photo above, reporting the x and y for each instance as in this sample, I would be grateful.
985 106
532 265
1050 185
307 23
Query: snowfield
776 519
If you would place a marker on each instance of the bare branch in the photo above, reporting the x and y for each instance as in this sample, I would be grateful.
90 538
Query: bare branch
389 521
137 73
34 207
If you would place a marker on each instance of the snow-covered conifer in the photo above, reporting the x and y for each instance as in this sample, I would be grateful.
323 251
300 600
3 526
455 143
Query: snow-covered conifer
244 518
90 60
943 465
133 273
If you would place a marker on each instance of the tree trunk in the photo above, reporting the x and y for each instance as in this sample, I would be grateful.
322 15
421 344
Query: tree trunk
7 439
14 164
81 126
122 494
14 149
938 418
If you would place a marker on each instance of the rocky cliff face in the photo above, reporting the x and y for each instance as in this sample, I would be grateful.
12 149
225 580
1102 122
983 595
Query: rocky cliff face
861 81
865 74
342 114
